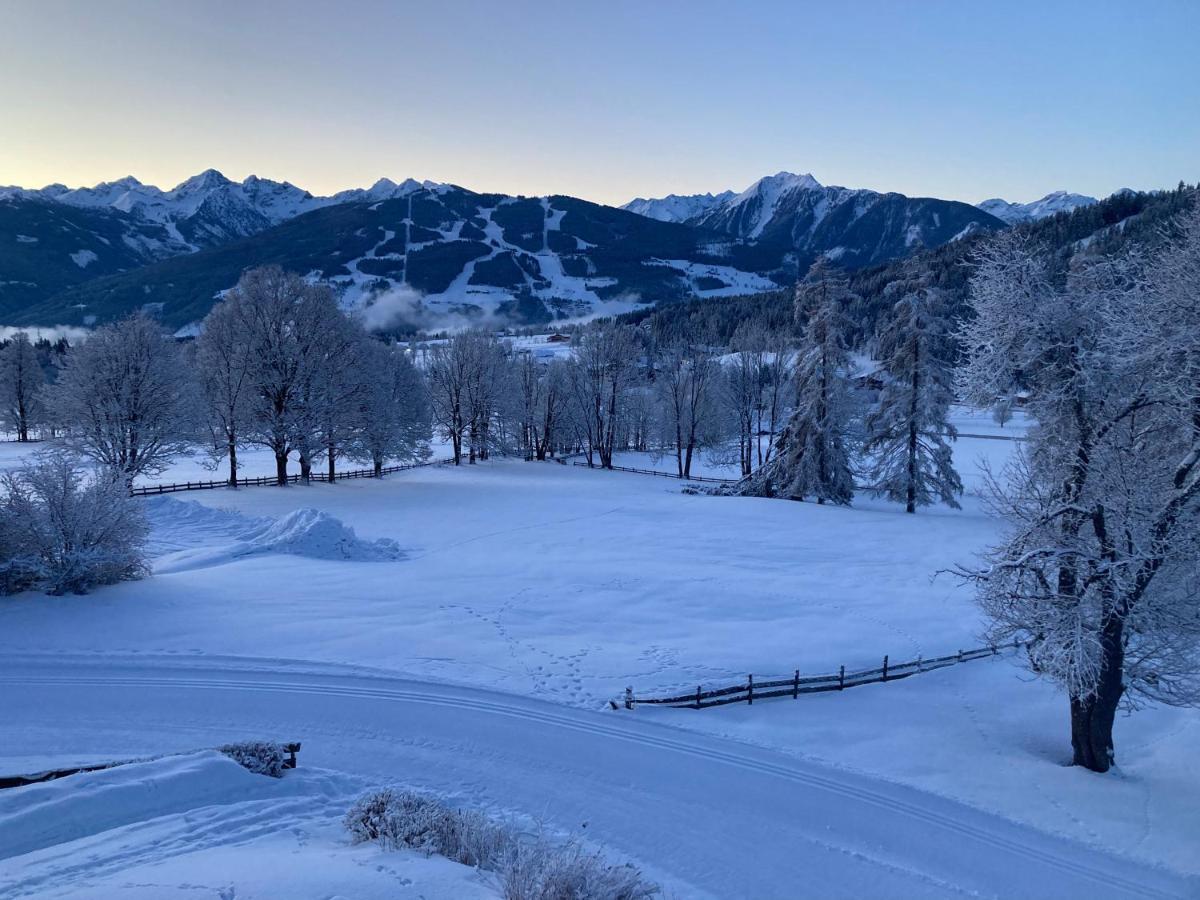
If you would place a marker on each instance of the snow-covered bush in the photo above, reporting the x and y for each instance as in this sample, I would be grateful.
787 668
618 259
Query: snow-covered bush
398 819
541 871
534 869
259 757
67 530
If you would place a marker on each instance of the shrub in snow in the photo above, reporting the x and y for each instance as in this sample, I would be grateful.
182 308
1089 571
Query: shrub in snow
543 872
259 757
527 870
64 530
398 819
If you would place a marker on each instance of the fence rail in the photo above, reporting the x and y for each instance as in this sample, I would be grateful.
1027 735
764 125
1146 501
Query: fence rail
751 690
151 490
703 478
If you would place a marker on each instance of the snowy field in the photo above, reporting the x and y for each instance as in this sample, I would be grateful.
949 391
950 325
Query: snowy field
556 587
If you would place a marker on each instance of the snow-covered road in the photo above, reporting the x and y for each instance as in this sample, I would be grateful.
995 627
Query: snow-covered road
706 816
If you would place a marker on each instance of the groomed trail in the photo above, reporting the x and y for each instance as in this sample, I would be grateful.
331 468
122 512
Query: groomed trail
706 816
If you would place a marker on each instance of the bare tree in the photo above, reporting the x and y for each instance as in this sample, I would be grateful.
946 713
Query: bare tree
687 383
338 390
286 325
1097 572
127 398
603 368
542 397
225 370
21 383
755 384
395 407
449 368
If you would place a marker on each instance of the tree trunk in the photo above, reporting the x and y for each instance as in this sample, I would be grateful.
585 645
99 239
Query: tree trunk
332 458
377 462
281 468
305 468
1092 718
233 464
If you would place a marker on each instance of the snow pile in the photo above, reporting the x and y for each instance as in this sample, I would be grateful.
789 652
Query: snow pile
191 535
68 809
316 534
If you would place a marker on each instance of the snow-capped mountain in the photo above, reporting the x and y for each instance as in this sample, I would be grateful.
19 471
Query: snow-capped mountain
434 254
799 219
677 207
209 209
1051 204
385 189
203 211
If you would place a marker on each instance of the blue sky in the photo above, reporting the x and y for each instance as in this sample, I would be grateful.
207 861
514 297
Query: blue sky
964 100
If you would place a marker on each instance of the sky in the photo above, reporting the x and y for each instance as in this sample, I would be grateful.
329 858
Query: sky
606 100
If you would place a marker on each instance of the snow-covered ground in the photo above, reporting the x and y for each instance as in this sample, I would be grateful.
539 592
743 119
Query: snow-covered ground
564 585
200 826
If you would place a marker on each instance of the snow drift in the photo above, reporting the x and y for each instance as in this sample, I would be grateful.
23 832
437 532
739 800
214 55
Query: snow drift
198 536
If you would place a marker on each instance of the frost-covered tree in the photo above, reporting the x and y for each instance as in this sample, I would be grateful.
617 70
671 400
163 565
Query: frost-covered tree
1097 571
63 529
603 369
468 382
755 384
907 429
812 455
337 392
395 407
541 401
21 383
490 396
286 324
127 398
687 381
225 371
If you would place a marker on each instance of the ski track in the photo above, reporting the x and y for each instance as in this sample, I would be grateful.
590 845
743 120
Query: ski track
267 677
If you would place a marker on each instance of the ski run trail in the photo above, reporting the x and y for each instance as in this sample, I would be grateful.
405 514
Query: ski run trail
706 816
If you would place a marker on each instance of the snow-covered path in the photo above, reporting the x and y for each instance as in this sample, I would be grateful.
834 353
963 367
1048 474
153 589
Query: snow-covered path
707 816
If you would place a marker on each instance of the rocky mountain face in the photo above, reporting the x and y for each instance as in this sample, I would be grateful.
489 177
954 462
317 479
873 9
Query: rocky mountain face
797 219
438 254
423 253
205 210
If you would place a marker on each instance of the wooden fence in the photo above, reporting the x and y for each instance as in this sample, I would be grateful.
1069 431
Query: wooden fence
677 477
798 684
150 490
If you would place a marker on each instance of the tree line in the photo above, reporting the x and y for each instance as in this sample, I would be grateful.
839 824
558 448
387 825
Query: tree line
1095 574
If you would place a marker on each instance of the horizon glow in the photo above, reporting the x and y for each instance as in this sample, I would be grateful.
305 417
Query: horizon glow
606 101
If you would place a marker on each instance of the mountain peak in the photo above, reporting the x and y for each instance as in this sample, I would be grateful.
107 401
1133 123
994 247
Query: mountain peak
205 181
1052 204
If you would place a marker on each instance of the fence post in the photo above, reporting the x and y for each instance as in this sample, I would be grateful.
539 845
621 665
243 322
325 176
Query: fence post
796 685
960 655
697 696
919 670
629 698
749 689
885 664
994 650
841 678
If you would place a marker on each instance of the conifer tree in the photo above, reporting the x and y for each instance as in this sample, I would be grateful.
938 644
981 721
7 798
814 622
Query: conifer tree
907 429
812 456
